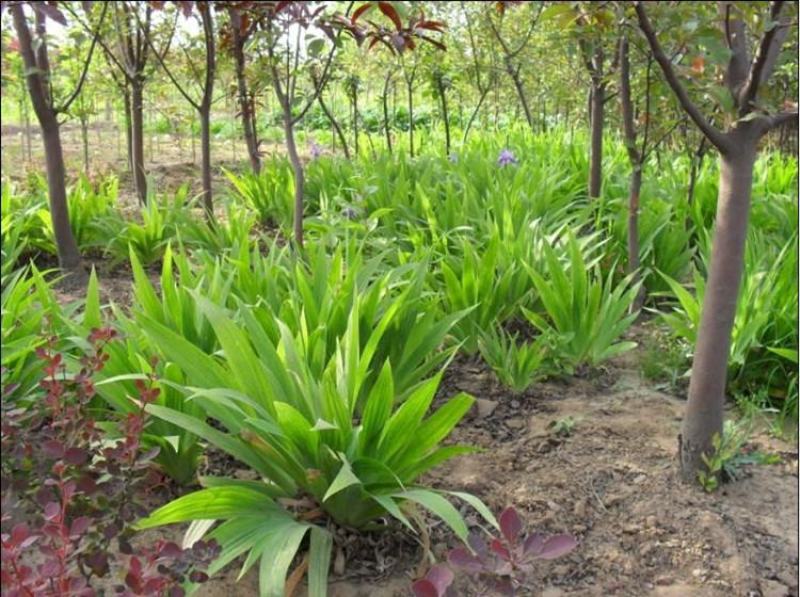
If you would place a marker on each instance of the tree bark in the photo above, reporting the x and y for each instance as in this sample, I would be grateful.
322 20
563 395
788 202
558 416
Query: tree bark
37 75
475 112
336 128
126 98
137 141
299 177
385 102
637 159
410 89
520 89
596 152
85 143
205 157
704 409
633 228
69 257
244 104
443 97
354 101
26 116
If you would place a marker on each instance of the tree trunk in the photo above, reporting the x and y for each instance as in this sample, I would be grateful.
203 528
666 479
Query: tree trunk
385 102
137 141
596 153
633 232
336 128
354 100
126 98
299 177
443 96
244 105
36 76
205 156
477 109
704 409
696 163
409 87
85 143
523 100
26 117
191 136
69 257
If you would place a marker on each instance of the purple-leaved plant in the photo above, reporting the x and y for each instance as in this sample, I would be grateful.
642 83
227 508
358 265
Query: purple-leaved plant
498 566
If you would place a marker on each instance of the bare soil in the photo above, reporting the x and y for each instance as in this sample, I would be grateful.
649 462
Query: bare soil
612 482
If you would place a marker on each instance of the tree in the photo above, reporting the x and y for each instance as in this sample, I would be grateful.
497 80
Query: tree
511 55
746 94
637 154
132 33
593 20
206 84
477 69
278 20
47 108
236 34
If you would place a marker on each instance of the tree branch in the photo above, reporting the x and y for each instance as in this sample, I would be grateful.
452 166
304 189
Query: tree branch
717 138
65 106
626 104
736 40
781 118
172 78
106 50
764 59
323 79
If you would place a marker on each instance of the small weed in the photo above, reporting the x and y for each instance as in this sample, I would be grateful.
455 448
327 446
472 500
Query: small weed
730 455
562 427
664 360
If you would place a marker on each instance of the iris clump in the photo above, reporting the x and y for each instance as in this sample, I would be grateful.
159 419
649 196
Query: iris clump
507 158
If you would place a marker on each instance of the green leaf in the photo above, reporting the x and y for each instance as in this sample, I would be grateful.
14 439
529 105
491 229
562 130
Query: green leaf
91 311
439 506
276 556
344 478
319 560
215 502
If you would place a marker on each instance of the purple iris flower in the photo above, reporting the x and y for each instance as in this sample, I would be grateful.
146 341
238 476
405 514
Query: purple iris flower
507 158
315 150
453 157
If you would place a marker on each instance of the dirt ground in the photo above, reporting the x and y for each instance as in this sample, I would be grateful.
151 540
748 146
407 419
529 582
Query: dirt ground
612 483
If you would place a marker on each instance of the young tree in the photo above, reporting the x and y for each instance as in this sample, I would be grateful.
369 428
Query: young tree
130 33
638 154
511 54
441 84
277 20
478 68
235 35
206 84
746 94
47 108
593 21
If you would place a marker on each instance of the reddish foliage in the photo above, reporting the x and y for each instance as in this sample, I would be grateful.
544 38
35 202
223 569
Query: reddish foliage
85 495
